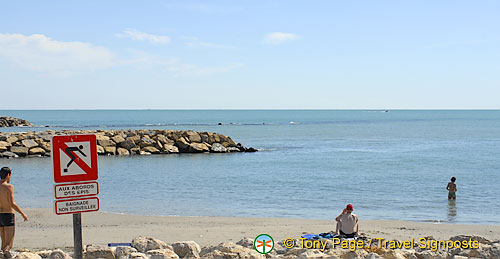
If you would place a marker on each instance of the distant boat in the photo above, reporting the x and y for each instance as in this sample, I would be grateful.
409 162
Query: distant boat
291 122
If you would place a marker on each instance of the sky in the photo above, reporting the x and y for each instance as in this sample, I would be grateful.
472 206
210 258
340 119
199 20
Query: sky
226 54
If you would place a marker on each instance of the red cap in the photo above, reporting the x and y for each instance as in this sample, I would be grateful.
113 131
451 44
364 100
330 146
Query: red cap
349 207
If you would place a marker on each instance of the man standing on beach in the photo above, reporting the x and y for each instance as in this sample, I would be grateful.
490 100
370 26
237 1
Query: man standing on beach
347 223
452 189
7 208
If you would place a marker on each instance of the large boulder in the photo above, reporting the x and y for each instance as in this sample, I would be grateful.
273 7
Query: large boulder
151 150
188 249
36 151
100 150
124 252
110 150
246 242
218 148
164 140
138 256
144 244
29 143
106 143
118 139
26 255
193 136
101 137
146 142
162 254
58 254
198 148
182 144
98 251
12 139
20 151
230 250
170 149
135 138
8 154
122 152
127 144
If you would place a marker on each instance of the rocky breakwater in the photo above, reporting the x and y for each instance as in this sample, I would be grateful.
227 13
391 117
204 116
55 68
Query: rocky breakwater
14 122
123 142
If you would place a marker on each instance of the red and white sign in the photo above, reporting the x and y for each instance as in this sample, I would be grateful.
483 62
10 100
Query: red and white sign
74 158
74 190
77 205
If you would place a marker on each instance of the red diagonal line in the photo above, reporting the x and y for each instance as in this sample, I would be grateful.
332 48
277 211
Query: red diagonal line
78 160
268 245
261 243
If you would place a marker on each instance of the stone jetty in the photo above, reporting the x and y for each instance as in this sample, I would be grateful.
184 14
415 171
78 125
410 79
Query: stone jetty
149 247
14 122
123 142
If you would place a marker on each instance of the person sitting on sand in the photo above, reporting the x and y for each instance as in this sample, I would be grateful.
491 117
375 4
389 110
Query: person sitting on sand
452 189
347 223
7 208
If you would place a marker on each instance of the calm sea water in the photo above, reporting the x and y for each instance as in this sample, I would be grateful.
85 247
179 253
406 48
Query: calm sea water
389 165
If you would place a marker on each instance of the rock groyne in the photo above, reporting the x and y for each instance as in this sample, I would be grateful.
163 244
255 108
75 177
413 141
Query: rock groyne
14 122
123 142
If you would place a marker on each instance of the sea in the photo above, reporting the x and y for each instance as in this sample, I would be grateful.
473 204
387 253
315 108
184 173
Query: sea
390 164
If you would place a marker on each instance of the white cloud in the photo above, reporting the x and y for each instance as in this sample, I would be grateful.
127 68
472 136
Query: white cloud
142 36
276 38
41 53
195 42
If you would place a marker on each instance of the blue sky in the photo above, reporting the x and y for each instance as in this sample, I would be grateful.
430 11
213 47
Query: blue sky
250 54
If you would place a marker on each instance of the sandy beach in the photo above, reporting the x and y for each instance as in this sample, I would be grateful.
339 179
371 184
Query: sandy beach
45 230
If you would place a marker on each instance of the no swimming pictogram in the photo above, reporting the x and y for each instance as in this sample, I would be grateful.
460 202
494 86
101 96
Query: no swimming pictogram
74 158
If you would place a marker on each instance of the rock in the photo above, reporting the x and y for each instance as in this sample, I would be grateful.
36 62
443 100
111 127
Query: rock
14 122
182 144
151 150
98 251
162 253
218 148
146 142
198 148
123 252
193 136
12 139
106 143
135 151
100 150
8 154
44 253
101 137
127 144
122 152
230 250
118 139
480 239
187 249
58 254
20 151
110 150
138 255
251 149
233 149
164 140
5 144
36 151
27 255
144 244
246 242
136 139
170 149
46 147
29 143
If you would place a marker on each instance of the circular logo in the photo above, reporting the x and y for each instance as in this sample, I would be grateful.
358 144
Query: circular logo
263 244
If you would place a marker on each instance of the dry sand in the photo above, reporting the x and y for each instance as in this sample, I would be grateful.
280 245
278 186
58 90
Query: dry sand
45 230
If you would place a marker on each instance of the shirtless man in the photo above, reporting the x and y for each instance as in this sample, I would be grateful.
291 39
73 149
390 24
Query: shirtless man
7 208
452 189
347 223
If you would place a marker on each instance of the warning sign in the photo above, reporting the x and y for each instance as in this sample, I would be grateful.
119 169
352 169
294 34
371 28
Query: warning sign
77 205
74 158
73 190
